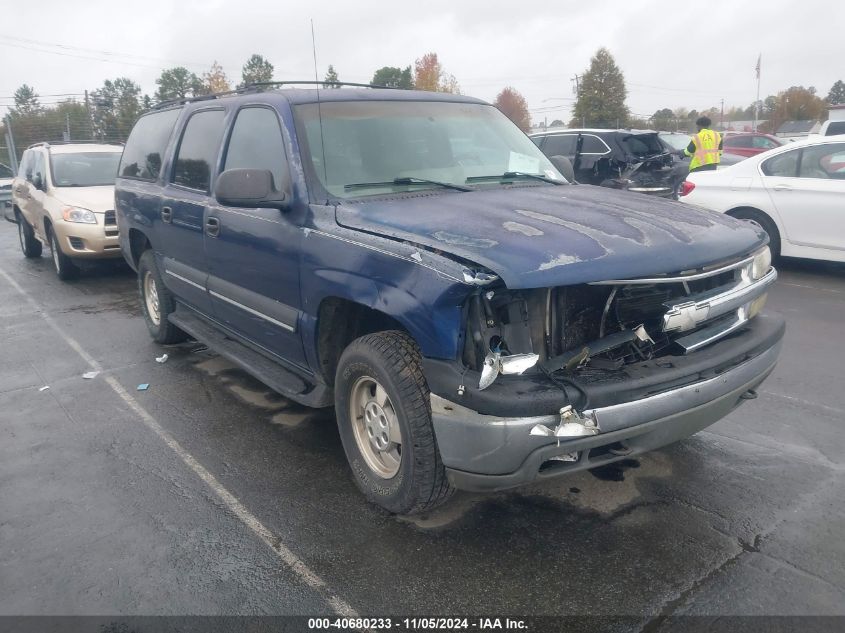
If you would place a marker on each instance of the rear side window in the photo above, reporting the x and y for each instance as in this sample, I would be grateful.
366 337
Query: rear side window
560 145
256 143
837 127
146 145
738 141
593 145
198 149
783 165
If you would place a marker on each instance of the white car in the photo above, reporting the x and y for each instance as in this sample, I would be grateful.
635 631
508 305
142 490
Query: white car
795 192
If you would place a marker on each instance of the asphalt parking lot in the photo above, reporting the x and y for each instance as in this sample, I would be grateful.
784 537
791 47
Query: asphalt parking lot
208 494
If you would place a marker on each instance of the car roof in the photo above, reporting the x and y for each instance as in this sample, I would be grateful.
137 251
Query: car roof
596 130
298 96
79 148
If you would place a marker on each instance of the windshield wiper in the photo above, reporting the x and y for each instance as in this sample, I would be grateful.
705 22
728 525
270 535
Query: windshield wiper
511 175
405 181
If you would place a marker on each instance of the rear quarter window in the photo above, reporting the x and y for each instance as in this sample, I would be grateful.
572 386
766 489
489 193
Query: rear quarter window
837 127
146 145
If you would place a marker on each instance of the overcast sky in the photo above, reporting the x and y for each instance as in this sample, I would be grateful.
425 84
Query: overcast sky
690 54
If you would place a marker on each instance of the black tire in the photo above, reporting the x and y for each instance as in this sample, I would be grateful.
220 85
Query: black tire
393 360
767 225
30 246
63 265
161 329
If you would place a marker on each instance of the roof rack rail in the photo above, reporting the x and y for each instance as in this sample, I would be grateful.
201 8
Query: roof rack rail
79 142
260 86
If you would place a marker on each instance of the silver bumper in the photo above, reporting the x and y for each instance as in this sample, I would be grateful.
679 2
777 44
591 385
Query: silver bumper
492 453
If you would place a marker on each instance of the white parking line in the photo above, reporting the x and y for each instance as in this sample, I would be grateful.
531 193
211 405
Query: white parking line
291 560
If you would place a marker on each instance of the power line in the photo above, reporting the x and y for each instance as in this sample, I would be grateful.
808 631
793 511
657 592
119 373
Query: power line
89 53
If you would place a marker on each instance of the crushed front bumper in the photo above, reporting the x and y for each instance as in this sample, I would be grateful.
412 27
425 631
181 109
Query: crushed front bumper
487 452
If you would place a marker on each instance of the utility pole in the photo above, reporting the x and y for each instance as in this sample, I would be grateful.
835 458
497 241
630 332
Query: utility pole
10 144
757 103
90 118
577 80
67 126
722 116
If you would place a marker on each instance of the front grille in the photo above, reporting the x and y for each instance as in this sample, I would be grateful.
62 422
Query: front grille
110 223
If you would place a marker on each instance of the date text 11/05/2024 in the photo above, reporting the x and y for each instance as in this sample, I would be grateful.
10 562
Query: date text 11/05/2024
418 624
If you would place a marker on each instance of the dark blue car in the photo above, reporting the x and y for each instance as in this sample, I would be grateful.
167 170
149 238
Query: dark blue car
415 261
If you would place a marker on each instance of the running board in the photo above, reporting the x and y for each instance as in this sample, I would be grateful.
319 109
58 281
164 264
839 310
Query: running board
254 363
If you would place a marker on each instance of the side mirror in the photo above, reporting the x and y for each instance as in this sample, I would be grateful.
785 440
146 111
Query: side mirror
250 188
564 166
38 182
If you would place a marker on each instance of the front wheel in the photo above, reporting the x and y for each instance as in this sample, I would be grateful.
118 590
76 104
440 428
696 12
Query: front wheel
157 302
65 268
384 418
30 246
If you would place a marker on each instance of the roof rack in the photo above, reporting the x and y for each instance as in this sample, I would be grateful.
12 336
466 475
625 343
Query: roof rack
260 86
79 142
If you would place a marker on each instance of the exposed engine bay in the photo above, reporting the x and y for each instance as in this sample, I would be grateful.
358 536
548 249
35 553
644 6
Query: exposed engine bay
592 331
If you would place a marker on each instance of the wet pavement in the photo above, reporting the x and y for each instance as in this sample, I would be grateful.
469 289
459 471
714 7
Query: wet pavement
104 507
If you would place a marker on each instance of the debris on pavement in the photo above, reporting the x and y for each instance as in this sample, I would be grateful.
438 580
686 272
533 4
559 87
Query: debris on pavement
162 358
143 386
88 375
44 388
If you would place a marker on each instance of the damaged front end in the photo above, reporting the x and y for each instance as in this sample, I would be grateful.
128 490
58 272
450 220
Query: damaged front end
552 380
594 331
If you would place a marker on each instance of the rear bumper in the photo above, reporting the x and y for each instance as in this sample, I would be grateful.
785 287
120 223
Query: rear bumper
486 453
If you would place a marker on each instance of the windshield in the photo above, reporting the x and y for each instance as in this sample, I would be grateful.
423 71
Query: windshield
643 144
377 147
85 169
5 171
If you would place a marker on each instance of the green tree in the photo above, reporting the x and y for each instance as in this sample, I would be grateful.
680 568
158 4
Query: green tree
513 105
178 83
256 70
557 123
117 106
393 77
663 119
26 101
331 78
836 96
601 94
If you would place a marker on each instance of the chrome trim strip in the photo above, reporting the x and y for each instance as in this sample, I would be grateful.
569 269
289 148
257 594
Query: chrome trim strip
712 304
251 311
181 278
676 279
713 332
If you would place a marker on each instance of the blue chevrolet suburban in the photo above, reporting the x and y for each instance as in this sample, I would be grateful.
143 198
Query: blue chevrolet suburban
415 261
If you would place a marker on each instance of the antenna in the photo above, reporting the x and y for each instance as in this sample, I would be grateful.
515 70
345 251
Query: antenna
319 107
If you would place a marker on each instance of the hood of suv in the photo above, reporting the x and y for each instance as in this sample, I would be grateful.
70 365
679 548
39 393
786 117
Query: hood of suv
97 199
543 236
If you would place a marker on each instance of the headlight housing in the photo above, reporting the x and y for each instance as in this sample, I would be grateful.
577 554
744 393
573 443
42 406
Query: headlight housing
761 264
78 215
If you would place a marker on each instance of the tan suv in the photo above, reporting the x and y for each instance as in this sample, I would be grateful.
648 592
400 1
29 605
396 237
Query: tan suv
63 196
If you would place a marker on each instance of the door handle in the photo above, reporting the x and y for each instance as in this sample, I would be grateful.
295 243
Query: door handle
166 215
212 227
782 188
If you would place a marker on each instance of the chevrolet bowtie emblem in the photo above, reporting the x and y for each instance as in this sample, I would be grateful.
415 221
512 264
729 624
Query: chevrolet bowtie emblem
685 316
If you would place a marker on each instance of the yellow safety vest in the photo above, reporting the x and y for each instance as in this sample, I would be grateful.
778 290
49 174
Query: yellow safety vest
706 149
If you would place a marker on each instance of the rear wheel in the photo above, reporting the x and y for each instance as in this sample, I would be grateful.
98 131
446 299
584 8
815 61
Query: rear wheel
30 246
157 302
764 222
65 268
384 418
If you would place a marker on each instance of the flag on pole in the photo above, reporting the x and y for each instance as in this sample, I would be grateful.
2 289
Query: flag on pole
759 57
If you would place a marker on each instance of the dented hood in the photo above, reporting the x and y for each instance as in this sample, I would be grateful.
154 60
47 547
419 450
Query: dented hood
542 236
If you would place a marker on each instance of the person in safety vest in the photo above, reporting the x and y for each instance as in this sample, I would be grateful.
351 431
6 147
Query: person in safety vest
705 148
